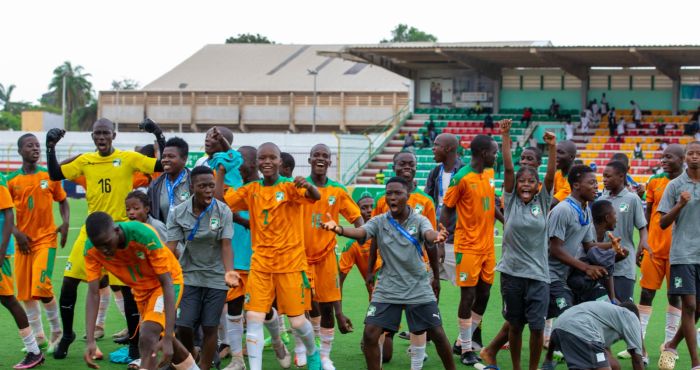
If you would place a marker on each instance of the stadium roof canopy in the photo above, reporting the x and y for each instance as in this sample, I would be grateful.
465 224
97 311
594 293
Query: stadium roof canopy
489 58
274 68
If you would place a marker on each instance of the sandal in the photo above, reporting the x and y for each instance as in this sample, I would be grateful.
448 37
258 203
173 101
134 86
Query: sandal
667 360
134 365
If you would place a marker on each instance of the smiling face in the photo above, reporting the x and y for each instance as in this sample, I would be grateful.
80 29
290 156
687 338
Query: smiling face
172 162
135 210
102 135
269 160
405 166
564 157
529 158
320 159
670 162
203 188
366 207
396 196
612 179
526 185
30 150
587 187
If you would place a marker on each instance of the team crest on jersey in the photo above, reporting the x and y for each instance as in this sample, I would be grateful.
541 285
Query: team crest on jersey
678 282
44 184
419 208
371 311
141 255
561 303
624 207
463 276
412 229
117 162
214 223
492 183
184 195
535 210
69 266
331 200
279 196
247 298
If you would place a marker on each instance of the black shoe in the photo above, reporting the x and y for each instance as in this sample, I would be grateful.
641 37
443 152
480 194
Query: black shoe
469 358
31 360
62 348
456 349
477 343
122 340
404 335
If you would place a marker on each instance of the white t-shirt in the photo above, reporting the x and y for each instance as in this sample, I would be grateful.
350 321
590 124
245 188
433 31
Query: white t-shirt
446 178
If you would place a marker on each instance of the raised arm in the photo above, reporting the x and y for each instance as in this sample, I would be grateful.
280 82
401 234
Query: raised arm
358 234
667 219
508 168
52 138
551 140
311 191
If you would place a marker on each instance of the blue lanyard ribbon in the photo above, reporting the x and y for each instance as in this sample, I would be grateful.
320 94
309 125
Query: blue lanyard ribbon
170 187
405 233
199 218
582 216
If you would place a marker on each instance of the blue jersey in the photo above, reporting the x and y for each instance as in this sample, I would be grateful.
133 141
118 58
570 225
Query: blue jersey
242 245
11 244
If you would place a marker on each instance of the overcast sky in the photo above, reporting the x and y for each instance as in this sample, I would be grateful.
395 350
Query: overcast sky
144 39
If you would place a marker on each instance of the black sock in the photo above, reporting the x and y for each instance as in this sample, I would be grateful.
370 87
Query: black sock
69 295
132 322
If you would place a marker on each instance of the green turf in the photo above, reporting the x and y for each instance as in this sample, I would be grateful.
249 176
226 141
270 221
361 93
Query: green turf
346 351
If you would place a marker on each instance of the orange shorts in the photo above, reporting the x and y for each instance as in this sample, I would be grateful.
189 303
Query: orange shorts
152 306
653 271
7 287
34 272
238 291
291 289
324 278
470 268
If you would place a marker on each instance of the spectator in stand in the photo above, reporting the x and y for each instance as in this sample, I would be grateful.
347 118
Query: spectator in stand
612 120
431 129
595 109
636 113
379 177
478 109
638 153
409 142
621 126
661 129
427 141
586 120
604 108
554 109
693 126
488 121
569 129
527 117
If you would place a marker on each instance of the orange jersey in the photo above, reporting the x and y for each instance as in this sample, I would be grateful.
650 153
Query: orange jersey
335 201
142 180
138 264
33 196
562 189
356 254
421 202
276 223
472 195
659 239
81 181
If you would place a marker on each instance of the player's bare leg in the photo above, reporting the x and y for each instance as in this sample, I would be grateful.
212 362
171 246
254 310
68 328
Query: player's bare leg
34 356
442 346
370 338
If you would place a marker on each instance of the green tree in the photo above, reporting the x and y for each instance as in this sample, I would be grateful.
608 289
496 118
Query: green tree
249 38
404 33
83 117
78 88
125 84
5 96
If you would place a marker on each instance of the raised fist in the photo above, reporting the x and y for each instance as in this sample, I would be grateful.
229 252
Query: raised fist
149 126
53 137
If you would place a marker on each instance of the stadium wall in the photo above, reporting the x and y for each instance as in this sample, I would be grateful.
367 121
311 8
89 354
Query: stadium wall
540 99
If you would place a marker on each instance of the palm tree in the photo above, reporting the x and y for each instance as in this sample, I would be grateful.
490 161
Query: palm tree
78 88
5 96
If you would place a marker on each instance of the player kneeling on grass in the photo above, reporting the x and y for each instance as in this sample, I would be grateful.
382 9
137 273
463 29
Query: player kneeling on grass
585 332
133 252
403 281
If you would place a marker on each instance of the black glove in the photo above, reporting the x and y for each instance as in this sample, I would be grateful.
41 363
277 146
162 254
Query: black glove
149 126
53 137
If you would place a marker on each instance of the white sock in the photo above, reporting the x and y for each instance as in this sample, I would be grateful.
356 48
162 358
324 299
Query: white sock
548 328
119 300
51 309
299 347
273 326
104 305
306 333
283 324
223 327
476 320
33 310
255 342
316 324
644 315
234 334
673 320
417 355
327 335
29 340
465 334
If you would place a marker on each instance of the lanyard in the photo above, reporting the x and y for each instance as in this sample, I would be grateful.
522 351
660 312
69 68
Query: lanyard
582 216
405 233
170 187
199 218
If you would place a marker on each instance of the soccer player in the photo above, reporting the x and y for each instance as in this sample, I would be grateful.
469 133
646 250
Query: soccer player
630 216
133 252
287 167
523 265
33 194
585 332
654 270
205 226
278 264
566 154
471 195
321 249
173 187
445 152
404 283
356 254
108 174
631 185
680 207
34 356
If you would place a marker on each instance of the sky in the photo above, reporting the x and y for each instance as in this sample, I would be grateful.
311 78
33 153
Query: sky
144 39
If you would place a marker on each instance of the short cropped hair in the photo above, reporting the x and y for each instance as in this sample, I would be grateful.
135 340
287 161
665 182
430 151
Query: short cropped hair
577 172
97 223
600 208
401 181
182 147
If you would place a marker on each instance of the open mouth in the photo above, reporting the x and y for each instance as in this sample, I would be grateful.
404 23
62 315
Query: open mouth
526 193
320 165
166 167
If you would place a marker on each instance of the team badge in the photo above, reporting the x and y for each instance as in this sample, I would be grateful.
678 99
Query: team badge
214 223
279 196
69 266
117 162
535 210
678 282
561 303
247 298
624 207
331 200
412 229
184 195
140 255
419 208
371 311
44 184
492 183
462 276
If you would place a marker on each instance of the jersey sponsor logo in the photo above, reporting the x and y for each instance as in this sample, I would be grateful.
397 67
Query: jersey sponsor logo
279 196
331 200
419 209
624 207
44 184
117 162
535 210
214 223
371 311
678 282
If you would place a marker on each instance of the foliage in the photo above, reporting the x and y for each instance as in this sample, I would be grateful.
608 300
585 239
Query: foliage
249 38
125 84
78 88
83 117
9 121
404 33
5 96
